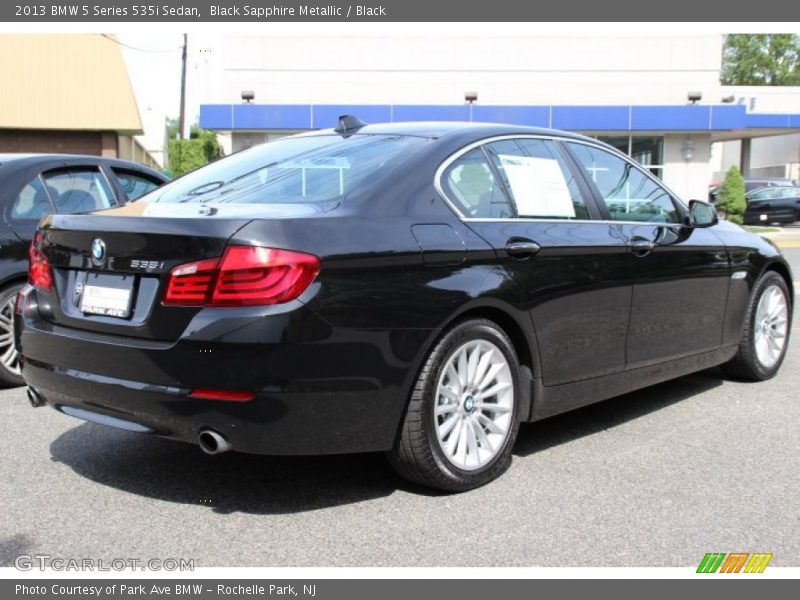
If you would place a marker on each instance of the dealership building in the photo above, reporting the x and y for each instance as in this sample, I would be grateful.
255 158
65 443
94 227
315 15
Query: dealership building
71 94
655 97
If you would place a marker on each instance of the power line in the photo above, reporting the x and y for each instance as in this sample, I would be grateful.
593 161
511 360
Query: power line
111 39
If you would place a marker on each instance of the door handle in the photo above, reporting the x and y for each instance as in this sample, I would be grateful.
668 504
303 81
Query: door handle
522 249
641 246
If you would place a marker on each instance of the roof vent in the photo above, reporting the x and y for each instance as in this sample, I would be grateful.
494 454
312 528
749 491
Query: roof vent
348 124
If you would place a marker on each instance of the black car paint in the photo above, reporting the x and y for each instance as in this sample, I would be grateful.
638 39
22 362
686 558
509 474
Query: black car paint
333 370
16 234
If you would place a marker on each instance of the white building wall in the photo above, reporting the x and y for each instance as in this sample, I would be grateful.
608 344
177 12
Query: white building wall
403 68
689 179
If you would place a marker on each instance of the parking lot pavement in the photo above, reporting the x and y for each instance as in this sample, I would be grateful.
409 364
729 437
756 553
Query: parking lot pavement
787 236
654 478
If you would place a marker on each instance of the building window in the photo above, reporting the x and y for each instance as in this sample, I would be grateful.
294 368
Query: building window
647 150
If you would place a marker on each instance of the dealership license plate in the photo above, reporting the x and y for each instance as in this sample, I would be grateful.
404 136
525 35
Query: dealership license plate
762 217
107 301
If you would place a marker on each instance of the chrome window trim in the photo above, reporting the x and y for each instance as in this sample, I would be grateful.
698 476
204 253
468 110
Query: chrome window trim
437 183
566 221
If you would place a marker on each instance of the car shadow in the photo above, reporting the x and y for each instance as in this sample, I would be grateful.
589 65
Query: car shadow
177 472
566 427
13 546
232 482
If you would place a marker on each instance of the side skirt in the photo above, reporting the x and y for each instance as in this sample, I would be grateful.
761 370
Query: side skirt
552 400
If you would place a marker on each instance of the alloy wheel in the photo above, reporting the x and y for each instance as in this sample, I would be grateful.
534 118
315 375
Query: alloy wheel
9 357
770 326
474 404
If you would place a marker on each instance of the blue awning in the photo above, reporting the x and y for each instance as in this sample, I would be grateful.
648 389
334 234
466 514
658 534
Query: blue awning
630 118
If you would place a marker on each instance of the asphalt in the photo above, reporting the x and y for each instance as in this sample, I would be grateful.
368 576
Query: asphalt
654 478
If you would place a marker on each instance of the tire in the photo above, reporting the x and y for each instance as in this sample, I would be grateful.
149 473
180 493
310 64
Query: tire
425 451
9 360
752 362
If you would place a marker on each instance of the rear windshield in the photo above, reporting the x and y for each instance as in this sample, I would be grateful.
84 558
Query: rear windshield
301 169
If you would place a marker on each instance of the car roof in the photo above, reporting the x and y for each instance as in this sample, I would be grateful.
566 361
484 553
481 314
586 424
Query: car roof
773 188
7 158
439 129
26 160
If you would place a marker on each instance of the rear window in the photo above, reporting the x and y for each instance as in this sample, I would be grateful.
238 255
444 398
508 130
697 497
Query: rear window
292 170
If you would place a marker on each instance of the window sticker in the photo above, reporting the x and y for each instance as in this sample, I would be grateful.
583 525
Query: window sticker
538 186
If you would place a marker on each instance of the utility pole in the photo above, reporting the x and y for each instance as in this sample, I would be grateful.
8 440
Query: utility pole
182 120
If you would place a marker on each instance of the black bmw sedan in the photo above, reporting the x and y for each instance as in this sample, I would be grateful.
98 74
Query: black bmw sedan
418 289
35 185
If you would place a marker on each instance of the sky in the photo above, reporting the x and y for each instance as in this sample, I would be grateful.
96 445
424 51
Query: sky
154 68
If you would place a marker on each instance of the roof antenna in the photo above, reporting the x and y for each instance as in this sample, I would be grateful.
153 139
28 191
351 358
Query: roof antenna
348 124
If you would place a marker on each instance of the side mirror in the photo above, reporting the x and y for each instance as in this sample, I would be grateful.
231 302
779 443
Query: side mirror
702 214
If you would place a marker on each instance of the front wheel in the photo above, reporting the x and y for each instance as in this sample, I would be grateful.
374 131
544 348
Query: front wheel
9 357
765 333
463 415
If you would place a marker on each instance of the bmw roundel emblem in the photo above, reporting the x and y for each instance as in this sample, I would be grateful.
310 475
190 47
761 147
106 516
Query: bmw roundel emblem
98 250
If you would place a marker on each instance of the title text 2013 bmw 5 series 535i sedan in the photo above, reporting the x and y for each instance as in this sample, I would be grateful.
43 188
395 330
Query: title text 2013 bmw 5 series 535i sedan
417 288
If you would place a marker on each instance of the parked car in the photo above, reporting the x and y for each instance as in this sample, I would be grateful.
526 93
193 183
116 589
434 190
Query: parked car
35 185
418 289
772 205
752 183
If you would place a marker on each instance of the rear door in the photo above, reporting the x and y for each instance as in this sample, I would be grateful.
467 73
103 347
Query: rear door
63 189
521 196
29 206
681 274
79 189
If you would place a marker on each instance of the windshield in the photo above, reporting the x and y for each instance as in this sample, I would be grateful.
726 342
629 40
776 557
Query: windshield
300 169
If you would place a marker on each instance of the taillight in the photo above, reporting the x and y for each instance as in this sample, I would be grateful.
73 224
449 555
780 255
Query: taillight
189 284
40 273
244 276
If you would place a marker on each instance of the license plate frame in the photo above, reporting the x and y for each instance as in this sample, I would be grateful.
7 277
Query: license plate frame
107 296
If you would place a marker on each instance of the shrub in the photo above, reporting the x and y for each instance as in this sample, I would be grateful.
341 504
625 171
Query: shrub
187 155
731 199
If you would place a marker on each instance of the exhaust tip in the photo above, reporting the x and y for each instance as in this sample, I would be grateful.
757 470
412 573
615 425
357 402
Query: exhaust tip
34 398
212 442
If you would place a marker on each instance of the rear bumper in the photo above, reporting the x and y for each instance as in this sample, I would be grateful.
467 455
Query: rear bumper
318 389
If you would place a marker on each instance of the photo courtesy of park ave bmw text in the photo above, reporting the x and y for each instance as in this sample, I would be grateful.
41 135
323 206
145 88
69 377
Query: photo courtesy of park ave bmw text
398 299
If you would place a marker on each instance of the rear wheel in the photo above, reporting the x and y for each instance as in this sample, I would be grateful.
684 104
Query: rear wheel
463 415
9 357
762 346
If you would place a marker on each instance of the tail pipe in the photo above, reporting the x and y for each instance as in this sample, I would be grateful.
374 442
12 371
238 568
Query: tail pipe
34 398
212 442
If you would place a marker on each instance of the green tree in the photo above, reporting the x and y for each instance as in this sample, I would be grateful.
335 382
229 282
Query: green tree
172 128
731 200
761 59
186 155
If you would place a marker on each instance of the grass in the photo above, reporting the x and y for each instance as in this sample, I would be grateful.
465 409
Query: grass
760 229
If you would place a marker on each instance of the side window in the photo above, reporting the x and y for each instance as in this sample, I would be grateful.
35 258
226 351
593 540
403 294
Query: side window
540 182
79 190
133 184
628 193
764 194
32 203
790 192
471 185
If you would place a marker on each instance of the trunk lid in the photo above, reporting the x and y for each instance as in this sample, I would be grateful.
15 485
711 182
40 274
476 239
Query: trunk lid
118 290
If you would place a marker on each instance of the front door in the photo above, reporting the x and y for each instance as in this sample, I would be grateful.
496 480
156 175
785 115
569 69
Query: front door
681 274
